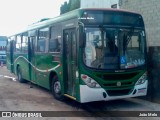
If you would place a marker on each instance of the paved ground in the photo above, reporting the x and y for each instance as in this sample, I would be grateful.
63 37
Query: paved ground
15 96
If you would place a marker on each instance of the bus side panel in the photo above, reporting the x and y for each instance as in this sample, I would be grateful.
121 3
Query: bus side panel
44 65
21 61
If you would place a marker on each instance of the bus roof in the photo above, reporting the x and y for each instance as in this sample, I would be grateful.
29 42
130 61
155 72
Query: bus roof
67 16
73 14
111 9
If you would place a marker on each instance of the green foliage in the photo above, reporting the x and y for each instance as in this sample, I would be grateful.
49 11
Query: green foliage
71 5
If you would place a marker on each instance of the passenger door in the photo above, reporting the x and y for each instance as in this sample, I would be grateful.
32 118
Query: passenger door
70 61
31 58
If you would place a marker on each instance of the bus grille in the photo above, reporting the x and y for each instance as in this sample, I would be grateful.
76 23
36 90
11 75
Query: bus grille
115 84
118 76
118 92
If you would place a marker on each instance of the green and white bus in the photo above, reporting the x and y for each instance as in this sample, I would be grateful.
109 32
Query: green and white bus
86 55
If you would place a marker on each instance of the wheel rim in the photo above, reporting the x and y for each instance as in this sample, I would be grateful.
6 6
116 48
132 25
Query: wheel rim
57 87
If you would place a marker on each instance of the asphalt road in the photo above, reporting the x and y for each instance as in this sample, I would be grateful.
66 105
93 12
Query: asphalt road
15 96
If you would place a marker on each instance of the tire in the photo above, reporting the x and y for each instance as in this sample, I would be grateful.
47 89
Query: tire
56 89
19 76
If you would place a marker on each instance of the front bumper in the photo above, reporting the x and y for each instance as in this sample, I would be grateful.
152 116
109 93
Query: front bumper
88 94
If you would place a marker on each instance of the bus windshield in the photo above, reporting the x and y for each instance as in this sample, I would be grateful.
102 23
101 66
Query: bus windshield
112 48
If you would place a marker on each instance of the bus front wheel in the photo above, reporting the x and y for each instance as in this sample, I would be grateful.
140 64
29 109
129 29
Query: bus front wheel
56 89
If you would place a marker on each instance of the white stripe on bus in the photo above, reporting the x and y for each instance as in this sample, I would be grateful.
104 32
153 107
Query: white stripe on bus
40 70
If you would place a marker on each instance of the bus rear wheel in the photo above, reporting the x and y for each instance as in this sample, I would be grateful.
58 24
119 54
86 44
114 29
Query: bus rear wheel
19 75
56 89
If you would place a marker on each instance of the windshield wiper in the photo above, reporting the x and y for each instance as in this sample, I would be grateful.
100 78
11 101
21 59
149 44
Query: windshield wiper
130 33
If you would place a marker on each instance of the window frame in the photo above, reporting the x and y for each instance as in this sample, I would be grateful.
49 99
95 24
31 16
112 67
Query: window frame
55 34
46 38
25 48
18 43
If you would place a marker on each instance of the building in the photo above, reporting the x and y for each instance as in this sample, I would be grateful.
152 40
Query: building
150 12
99 3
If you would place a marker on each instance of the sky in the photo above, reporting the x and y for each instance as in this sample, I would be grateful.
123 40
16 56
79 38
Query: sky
16 15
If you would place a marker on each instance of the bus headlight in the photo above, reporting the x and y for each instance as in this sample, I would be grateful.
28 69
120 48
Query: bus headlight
89 81
142 79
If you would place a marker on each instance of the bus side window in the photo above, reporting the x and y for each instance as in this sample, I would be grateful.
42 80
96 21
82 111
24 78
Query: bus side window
55 41
25 42
13 39
18 43
42 39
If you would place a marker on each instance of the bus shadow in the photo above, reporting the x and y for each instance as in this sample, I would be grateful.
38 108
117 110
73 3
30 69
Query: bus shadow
114 105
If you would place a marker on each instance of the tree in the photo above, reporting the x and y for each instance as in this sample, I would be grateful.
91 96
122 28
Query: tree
71 5
64 8
74 4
